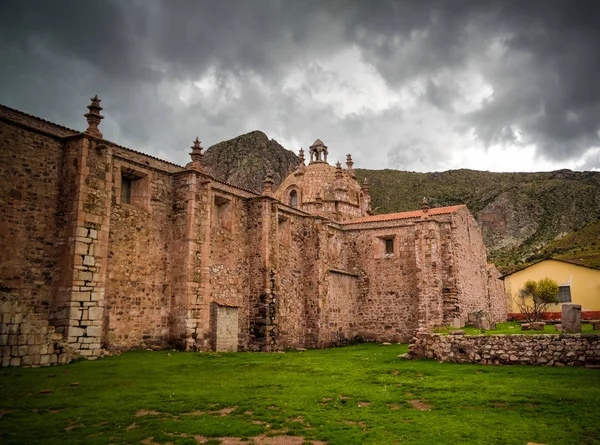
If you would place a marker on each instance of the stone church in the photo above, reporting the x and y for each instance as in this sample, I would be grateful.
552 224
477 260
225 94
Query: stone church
103 247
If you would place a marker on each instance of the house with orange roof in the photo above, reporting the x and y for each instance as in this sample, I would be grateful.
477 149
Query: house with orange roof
104 247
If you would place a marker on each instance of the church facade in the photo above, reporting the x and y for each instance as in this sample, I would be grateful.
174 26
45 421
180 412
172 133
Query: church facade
103 247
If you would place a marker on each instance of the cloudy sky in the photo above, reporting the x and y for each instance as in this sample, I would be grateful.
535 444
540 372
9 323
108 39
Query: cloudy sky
418 85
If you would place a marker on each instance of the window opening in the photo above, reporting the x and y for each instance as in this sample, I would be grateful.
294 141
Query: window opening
126 190
564 294
293 198
389 246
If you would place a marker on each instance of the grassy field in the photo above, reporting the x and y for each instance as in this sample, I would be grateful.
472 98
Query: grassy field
361 394
514 328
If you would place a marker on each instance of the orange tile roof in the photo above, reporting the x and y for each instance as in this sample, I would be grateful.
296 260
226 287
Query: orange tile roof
405 215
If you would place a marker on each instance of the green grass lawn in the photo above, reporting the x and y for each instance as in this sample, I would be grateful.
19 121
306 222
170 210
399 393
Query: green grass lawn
514 328
361 394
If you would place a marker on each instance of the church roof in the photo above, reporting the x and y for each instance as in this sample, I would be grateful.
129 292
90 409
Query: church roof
405 215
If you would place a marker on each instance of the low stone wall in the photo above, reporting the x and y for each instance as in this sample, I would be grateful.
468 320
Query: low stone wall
548 349
26 339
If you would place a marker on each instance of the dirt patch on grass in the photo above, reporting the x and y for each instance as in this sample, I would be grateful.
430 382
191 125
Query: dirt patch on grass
420 405
502 405
342 397
147 412
298 419
393 406
257 440
225 411
72 427
130 427
352 422
363 404
4 411
194 413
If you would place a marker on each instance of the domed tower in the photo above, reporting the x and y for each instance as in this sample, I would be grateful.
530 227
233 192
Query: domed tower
325 190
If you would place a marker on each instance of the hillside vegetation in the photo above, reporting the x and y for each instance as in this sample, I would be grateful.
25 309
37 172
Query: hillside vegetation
523 216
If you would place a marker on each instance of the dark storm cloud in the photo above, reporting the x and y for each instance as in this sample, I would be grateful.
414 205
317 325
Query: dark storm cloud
540 58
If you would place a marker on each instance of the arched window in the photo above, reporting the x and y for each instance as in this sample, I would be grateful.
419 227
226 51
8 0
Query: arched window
293 198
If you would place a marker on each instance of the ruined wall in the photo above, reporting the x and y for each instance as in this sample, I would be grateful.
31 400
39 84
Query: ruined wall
138 290
470 261
546 350
388 289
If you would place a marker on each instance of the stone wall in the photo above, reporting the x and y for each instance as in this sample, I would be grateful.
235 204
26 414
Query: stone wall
496 295
26 338
470 264
31 213
387 284
138 287
31 210
295 238
547 349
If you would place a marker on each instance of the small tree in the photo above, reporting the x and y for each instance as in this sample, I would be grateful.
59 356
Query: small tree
535 297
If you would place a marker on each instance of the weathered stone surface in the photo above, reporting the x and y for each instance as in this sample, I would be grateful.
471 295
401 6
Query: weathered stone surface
543 349
537 326
571 317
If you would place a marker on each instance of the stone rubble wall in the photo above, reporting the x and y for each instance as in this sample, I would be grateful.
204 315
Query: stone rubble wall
547 349
26 339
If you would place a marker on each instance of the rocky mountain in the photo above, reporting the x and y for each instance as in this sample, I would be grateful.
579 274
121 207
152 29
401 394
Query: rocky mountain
244 160
521 214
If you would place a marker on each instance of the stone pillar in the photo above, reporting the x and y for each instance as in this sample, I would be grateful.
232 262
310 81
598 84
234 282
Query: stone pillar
78 301
429 274
571 318
190 312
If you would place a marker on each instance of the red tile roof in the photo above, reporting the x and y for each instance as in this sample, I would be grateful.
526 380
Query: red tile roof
405 215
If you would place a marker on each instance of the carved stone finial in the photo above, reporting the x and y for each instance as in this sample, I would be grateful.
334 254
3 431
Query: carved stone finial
349 164
338 170
365 186
301 156
268 183
196 154
94 117
425 205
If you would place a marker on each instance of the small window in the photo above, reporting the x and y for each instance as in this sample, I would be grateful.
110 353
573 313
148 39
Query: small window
222 213
293 198
134 188
564 294
126 190
389 246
